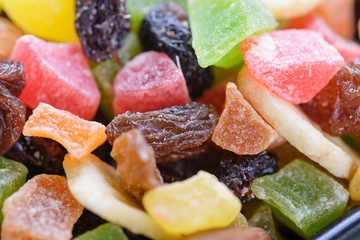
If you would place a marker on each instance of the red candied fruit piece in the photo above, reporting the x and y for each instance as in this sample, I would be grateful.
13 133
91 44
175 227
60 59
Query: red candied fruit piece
151 81
348 49
42 209
57 74
294 64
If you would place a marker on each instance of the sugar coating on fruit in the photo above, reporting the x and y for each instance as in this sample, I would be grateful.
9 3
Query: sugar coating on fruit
291 8
218 26
80 137
136 164
209 203
149 82
42 209
240 129
348 49
295 64
305 199
57 74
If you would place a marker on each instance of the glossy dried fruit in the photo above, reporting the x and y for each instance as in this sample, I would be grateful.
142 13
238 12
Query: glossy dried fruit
12 119
136 166
101 26
12 76
336 107
38 154
166 29
170 129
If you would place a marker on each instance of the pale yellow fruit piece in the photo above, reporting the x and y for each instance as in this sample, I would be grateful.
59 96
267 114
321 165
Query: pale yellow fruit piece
354 186
52 20
297 129
286 9
196 204
96 186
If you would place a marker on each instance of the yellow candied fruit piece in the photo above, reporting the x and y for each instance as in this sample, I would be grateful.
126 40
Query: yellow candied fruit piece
48 19
354 186
196 204
240 221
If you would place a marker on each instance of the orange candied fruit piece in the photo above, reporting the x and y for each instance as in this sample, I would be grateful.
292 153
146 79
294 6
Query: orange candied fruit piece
240 129
42 209
80 137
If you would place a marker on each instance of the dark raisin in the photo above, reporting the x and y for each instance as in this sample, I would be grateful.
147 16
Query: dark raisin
38 154
336 107
12 119
168 130
101 26
166 29
12 76
87 221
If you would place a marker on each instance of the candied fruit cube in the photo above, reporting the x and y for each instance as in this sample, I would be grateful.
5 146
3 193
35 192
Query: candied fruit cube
263 218
303 197
209 203
80 137
107 231
42 209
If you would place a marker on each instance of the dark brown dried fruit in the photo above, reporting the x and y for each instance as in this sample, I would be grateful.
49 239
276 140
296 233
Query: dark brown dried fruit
87 221
336 107
168 130
12 76
12 119
38 154
101 26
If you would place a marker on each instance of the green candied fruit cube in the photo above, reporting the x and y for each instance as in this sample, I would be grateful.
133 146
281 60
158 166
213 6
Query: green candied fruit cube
263 218
107 231
302 197
218 26
13 176
139 8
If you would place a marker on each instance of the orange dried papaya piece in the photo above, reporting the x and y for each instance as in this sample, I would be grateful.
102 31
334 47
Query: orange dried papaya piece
42 209
240 129
80 137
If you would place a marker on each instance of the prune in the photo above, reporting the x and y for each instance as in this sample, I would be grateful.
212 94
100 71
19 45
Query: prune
336 107
12 119
168 130
101 26
166 29
38 154
12 76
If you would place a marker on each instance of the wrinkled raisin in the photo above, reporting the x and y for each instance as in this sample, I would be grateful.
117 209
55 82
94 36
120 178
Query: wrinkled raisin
38 154
166 29
101 26
170 129
12 76
12 119
336 107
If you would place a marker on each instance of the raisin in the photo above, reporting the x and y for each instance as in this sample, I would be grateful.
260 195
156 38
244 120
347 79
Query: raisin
87 221
166 29
336 107
12 76
101 26
38 154
12 119
168 130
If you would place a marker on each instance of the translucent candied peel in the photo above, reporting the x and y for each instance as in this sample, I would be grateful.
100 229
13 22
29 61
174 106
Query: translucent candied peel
95 185
78 136
42 209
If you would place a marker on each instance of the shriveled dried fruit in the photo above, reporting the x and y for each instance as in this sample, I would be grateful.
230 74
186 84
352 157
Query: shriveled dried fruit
101 26
12 76
136 166
39 154
166 29
170 129
12 119
336 107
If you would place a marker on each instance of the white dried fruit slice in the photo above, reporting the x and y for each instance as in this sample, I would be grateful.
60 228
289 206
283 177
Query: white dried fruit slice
286 9
95 185
297 128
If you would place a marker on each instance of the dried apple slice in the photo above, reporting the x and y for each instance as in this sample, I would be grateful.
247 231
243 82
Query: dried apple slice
95 185
295 127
